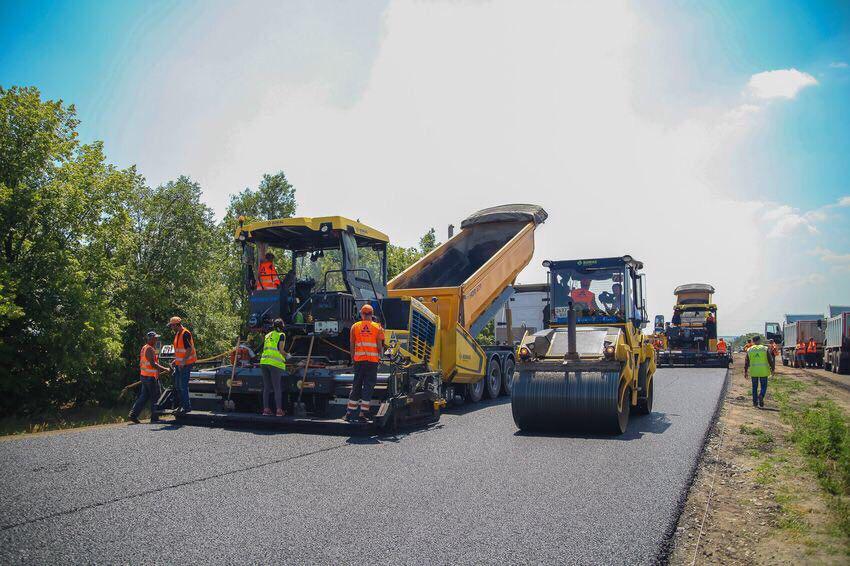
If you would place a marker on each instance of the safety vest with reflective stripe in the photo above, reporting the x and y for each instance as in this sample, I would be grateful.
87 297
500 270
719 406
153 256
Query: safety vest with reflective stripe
182 357
721 347
271 354
583 296
365 335
812 348
268 276
759 366
801 348
146 369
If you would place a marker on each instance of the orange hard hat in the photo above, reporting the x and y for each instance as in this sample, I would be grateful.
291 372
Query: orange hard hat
175 320
367 309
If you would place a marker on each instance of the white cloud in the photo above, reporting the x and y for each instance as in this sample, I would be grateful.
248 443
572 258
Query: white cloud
844 201
829 256
784 83
838 65
512 103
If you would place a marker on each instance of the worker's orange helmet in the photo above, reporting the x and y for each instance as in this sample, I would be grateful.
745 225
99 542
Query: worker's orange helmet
367 309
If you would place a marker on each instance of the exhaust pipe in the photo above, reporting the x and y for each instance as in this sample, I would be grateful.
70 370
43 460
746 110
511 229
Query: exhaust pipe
571 354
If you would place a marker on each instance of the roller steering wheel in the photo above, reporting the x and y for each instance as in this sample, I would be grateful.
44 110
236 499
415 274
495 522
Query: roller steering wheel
608 303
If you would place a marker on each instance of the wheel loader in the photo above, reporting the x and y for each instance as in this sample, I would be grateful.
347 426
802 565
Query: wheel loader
593 366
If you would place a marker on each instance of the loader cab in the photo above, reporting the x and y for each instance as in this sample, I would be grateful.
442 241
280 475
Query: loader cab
603 291
328 267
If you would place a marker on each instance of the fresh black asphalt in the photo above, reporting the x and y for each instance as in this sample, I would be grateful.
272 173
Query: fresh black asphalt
471 490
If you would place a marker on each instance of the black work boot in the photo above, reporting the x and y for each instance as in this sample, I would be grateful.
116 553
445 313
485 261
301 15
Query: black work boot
755 402
761 401
133 418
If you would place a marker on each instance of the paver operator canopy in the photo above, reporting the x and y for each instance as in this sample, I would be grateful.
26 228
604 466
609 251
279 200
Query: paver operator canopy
321 257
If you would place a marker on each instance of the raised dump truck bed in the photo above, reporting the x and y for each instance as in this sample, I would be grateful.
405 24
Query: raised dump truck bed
466 280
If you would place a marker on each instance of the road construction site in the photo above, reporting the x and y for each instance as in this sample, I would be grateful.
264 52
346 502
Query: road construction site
469 489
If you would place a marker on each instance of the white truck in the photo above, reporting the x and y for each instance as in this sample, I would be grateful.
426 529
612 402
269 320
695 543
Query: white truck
836 355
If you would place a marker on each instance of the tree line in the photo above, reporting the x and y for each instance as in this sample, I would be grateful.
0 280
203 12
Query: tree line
92 257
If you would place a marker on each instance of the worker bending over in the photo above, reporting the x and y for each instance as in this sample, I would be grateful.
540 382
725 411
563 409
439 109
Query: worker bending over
812 353
185 357
149 368
273 364
268 278
759 365
367 340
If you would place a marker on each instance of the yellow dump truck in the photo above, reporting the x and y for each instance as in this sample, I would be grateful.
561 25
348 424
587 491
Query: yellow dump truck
465 282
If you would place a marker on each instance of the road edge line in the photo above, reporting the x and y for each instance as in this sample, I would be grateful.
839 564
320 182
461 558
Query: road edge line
666 549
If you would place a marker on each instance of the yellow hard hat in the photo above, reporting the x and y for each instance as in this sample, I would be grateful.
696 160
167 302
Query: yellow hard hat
175 320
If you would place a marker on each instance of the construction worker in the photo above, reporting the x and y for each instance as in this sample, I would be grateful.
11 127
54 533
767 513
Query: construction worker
774 348
273 364
722 348
759 365
268 278
185 357
812 353
583 298
711 326
367 340
800 355
149 368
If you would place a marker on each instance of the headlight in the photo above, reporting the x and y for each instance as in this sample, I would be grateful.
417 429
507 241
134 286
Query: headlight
524 353
609 352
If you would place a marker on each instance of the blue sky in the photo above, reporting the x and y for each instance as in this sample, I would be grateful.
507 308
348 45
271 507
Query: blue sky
717 132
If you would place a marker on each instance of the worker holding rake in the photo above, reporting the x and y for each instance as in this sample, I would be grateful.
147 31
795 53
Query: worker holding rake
149 368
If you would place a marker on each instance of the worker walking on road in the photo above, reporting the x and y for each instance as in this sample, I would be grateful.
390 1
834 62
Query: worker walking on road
812 353
273 364
367 341
149 368
185 357
759 365
800 355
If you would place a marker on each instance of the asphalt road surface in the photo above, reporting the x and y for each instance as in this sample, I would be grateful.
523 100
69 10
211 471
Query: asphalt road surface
472 490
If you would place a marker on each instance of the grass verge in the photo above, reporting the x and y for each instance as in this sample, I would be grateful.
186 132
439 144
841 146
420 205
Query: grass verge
74 417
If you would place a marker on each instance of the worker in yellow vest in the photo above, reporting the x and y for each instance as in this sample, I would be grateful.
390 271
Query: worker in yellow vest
367 342
759 365
273 364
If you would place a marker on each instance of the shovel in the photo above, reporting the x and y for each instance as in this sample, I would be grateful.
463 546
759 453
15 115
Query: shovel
299 409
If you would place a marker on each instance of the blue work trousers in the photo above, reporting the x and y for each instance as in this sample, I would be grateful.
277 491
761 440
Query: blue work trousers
181 385
149 391
756 381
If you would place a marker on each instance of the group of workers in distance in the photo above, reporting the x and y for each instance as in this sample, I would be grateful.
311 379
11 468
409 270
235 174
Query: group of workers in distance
150 369
806 354
366 342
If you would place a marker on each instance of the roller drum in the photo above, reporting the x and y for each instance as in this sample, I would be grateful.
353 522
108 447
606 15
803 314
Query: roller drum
578 401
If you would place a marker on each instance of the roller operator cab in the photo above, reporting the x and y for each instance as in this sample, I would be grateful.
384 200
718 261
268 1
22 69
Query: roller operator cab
594 364
325 270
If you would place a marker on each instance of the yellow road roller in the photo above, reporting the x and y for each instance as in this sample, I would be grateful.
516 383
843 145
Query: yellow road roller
593 364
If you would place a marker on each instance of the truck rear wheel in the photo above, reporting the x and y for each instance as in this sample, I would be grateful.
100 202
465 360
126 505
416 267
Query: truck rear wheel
475 391
493 379
508 376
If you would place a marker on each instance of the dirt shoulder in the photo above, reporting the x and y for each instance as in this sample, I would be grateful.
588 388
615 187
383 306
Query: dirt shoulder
771 486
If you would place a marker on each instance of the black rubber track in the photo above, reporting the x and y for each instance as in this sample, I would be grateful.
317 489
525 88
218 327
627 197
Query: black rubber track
550 402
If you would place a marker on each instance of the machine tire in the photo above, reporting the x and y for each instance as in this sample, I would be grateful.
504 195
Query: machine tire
644 404
474 391
508 376
580 402
493 379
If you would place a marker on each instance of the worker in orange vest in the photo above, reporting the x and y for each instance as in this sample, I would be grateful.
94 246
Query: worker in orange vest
774 349
748 345
149 368
268 278
812 353
367 341
185 357
584 298
800 355
721 346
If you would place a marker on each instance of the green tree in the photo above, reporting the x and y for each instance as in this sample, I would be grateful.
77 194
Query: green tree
428 242
64 250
